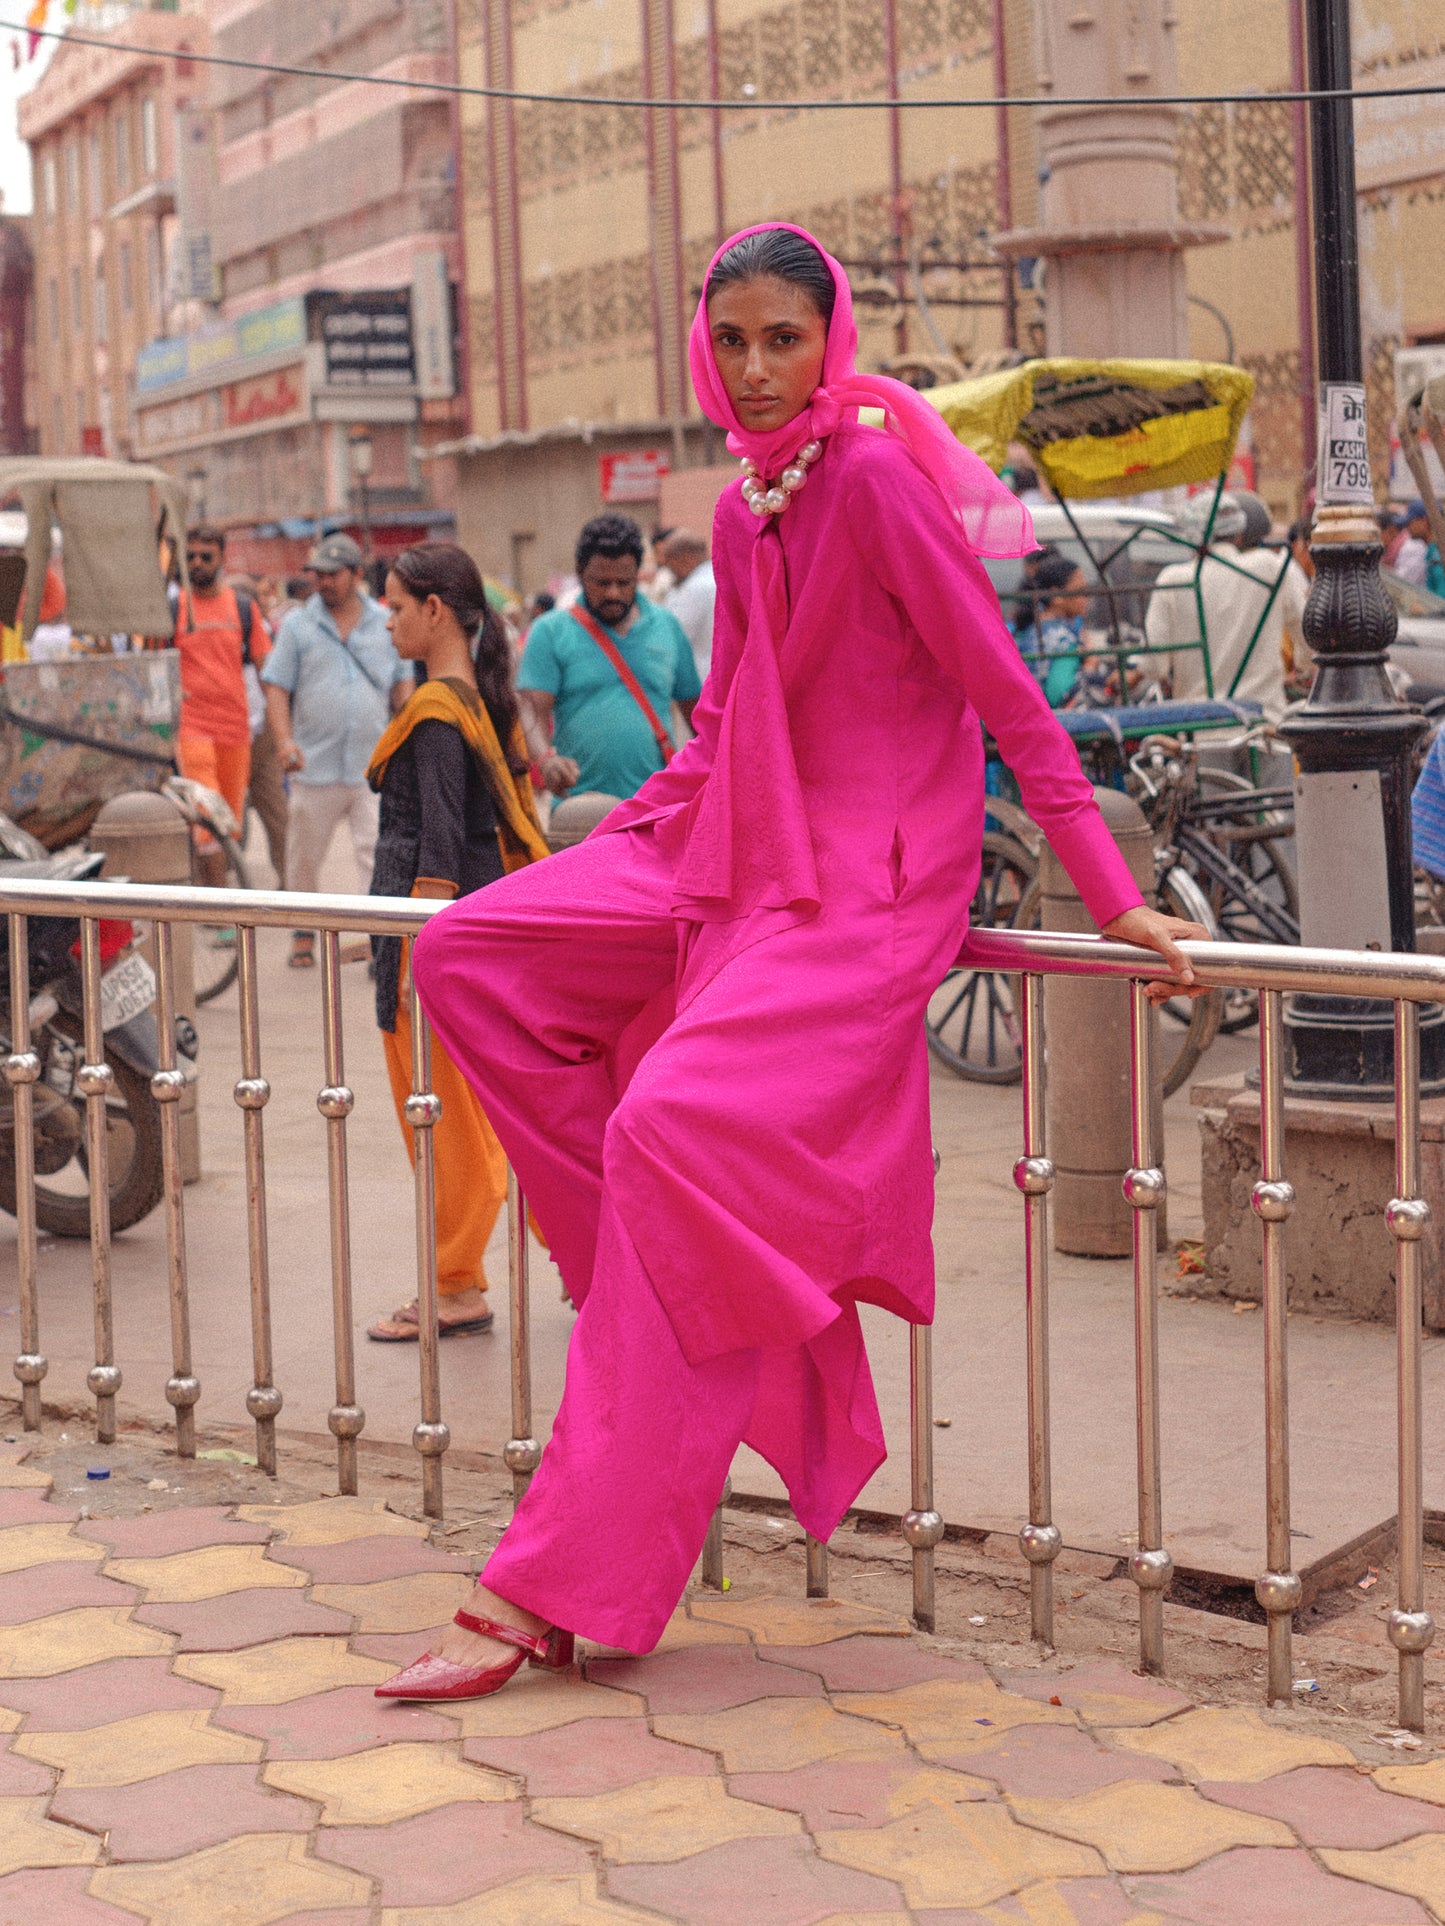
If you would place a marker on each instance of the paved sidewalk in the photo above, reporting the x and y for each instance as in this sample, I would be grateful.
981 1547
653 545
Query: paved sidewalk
193 1740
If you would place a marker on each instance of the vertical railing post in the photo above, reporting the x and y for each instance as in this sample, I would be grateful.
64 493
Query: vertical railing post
922 1522
1410 1626
423 1112
22 1071
1150 1567
252 1093
335 1102
168 1086
95 1079
521 1454
1277 1588
712 1573
816 1552
1039 1540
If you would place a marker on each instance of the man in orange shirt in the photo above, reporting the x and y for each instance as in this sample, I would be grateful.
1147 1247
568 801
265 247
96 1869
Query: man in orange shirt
215 738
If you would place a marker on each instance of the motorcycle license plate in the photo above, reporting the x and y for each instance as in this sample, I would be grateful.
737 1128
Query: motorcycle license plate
125 990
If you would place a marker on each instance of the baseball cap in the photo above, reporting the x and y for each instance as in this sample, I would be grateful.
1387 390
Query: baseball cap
335 552
1414 509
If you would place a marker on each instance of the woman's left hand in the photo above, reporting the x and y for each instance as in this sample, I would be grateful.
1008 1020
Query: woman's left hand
1152 930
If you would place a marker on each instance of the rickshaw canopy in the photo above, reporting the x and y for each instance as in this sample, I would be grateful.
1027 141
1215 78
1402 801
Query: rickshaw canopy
1104 428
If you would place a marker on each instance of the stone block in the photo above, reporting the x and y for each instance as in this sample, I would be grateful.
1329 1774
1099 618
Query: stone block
1340 1158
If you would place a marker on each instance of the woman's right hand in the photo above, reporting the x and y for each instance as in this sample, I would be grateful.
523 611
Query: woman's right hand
559 773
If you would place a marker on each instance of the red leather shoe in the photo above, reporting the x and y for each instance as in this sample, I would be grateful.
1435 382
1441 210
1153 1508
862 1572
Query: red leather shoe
432 1677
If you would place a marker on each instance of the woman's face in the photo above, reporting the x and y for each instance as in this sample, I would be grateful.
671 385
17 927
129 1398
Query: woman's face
1073 598
768 341
412 623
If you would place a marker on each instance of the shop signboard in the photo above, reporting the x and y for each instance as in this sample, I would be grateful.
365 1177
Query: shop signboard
635 475
366 337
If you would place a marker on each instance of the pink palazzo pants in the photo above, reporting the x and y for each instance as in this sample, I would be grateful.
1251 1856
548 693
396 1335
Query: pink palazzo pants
553 990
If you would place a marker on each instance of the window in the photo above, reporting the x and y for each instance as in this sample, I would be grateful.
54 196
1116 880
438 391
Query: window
72 176
102 318
51 194
97 178
57 424
77 311
155 290
150 147
53 292
80 415
127 295
122 151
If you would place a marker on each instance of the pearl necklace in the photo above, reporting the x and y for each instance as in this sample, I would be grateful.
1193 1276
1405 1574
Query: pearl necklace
762 499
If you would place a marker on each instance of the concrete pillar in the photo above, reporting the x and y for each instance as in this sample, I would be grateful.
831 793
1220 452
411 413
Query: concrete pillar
1109 227
146 839
1087 1093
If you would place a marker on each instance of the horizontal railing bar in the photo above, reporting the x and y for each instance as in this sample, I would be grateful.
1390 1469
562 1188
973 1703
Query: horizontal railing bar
1387 974
258 908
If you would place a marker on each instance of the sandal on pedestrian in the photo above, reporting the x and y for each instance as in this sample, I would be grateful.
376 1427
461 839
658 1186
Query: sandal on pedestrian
303 951
432 1677
402 1327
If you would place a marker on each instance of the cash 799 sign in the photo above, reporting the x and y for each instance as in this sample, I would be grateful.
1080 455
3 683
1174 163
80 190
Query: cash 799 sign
1344 471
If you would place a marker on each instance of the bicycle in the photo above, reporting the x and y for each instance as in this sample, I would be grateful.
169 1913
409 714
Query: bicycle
215 956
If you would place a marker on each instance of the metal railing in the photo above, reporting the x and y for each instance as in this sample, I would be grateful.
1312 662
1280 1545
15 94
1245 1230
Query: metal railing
1408 981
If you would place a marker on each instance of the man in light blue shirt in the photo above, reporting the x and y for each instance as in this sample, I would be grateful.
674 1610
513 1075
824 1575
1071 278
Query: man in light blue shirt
333 681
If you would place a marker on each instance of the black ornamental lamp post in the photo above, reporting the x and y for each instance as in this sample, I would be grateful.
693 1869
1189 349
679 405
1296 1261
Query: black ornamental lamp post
1353 741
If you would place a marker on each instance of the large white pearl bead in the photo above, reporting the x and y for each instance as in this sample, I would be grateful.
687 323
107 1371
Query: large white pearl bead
792 479
758 504
810 451
752 486
775 501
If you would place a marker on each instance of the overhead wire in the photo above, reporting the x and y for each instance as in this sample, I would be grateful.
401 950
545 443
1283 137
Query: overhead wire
747 104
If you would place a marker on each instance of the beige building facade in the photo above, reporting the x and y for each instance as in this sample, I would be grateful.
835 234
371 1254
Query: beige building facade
586 230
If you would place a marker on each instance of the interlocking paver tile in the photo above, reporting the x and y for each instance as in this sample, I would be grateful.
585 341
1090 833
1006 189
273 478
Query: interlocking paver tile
284 1669
857 1792
20 1778
784 1880
683 1632
1414 1781
800 1621
1060 1902
181 1812
332 1916
42 1544
160 1534
1216 1742
415 1604
394 1649
537 1701
33 1508
1415 1867
331 1724
662 1819
868 1664
1150 1828
598 1755
67 1702
249 1881
44 1589
331 1521
952 1715
57 1896
387 1783
1104 1694
774 1735
443 1856
18 1477
242 1618
543 1899
960 1855
705 1679
365 1561
67 1640
208 1572
1333 1806
1048 1762
1262 1886
126 1750
28 1838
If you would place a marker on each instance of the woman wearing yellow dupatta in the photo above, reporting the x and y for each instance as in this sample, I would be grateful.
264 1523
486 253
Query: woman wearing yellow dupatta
456 813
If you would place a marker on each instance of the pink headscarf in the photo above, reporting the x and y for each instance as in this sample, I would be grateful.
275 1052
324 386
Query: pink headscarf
993 519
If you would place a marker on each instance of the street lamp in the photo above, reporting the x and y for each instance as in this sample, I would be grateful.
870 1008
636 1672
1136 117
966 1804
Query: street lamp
360 446
1353 740
196 479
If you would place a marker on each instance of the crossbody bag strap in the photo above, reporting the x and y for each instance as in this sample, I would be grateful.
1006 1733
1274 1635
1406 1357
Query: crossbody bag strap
629 681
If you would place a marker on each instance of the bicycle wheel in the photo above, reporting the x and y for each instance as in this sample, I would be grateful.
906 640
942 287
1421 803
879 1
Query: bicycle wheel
215 955
972 1021
1199 1019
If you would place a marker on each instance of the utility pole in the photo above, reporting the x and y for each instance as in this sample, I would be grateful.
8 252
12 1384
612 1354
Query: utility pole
1353 740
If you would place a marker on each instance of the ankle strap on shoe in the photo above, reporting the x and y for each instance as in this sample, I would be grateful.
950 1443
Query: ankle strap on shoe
534 1643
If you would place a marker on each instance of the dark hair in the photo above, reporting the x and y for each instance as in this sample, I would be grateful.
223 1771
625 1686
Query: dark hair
449 573
1054 573
300 588
611 536
785 256
207 532
1300 531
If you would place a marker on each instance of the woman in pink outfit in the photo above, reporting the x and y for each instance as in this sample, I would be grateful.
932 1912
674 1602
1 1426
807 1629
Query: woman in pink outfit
699 1034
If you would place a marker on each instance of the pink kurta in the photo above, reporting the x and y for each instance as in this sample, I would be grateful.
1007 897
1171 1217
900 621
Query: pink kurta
706 1022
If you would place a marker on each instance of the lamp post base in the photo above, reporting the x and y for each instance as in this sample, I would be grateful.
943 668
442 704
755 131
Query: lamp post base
1342 1049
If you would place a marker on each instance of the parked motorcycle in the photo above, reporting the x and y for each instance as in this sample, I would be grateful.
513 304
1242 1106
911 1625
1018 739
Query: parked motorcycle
57 1036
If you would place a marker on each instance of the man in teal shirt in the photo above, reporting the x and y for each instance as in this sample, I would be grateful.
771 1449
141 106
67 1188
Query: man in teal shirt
604 741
